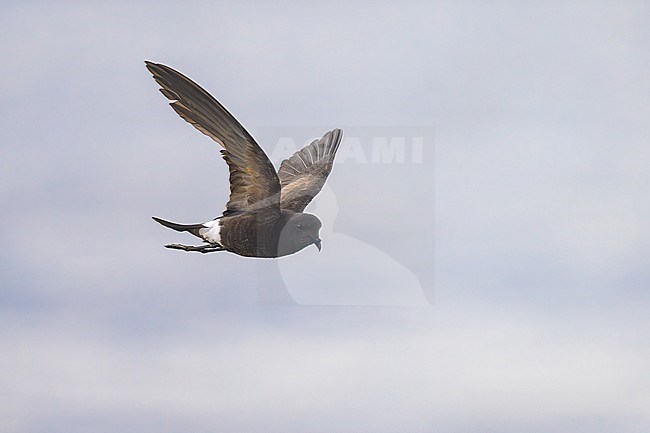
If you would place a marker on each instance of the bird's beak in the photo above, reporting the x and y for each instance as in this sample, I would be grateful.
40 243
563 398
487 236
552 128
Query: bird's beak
317 243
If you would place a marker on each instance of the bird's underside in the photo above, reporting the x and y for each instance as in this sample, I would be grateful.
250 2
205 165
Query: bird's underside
264 215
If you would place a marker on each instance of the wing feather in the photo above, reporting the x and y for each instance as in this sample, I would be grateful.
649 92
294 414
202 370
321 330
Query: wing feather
302 176
254 184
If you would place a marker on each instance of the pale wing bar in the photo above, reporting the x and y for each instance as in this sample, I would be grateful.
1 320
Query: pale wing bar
254 182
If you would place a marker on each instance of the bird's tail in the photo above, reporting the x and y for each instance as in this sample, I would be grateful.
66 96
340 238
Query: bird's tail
192 228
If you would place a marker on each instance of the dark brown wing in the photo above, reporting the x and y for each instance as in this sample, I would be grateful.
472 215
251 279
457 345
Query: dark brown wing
303 175
254 184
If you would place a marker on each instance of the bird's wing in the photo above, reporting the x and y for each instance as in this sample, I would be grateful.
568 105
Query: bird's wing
303 175
254 184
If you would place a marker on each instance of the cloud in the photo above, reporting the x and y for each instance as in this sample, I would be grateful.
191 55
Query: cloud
456 369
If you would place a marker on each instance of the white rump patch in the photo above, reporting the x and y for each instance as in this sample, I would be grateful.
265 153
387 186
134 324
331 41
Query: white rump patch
211 232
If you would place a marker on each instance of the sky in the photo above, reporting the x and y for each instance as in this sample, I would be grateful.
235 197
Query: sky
484 226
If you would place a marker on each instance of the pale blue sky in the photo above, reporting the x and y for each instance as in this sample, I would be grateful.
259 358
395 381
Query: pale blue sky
531 201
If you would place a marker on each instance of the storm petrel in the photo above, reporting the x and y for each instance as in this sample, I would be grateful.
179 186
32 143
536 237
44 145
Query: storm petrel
264 215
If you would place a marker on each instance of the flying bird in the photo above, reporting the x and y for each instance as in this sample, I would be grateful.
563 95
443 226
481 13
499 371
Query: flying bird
264 215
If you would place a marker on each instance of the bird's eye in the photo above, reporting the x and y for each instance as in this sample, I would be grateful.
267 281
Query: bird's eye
299 226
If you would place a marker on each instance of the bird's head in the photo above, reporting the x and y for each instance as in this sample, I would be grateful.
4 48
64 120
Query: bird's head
301 230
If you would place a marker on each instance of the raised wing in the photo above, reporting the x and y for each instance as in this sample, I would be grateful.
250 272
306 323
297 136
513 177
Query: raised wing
254 184
303 175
